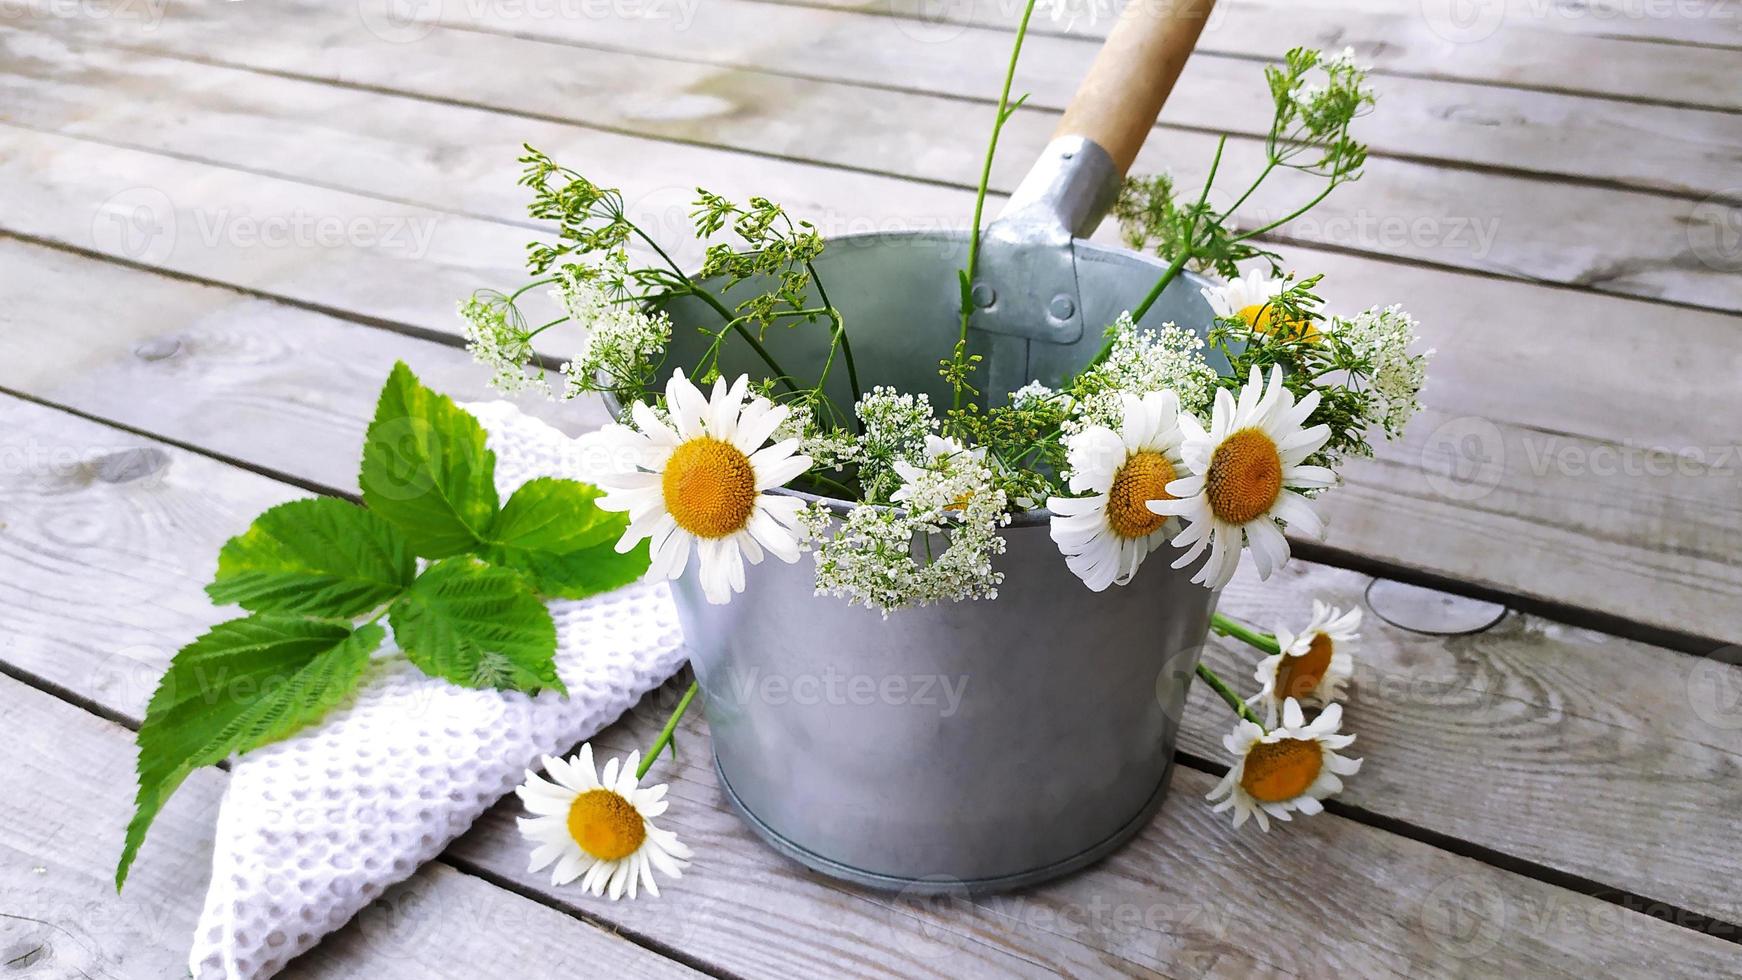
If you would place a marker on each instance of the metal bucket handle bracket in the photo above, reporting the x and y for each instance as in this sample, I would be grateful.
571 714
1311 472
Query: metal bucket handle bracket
1028 304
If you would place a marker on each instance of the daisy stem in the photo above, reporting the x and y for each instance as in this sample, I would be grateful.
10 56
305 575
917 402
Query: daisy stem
1221 687
1225 626
665 733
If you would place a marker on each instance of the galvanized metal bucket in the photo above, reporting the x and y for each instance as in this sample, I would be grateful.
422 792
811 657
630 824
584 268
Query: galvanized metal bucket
980 745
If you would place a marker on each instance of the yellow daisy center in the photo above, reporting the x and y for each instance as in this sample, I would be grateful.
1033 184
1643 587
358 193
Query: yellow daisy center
1139 480
606 825
1297 677
1259 317
1244 477
1282 770
710 487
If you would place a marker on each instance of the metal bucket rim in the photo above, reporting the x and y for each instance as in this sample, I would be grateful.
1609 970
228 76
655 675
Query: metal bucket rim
1034 517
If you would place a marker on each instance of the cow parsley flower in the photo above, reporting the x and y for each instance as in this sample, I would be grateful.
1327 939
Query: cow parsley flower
498 339
1380 338
937 547
895 427
623 345
1143 362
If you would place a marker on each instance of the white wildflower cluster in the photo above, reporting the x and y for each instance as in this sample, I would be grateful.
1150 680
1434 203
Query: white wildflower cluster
1380 337
498 339
1143 362
894 429
624 344
1032 394
938 547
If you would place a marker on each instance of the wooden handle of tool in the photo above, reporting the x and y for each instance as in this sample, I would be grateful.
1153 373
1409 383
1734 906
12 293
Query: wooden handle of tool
1120 97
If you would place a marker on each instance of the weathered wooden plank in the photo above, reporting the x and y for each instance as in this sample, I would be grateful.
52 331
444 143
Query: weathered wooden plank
1686 151
1459 218
1188 889
1620 710
1496 44
1510 128
1706 24
1367 900
65 797
1515 452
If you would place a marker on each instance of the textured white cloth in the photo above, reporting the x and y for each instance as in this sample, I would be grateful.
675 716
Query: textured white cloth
313 828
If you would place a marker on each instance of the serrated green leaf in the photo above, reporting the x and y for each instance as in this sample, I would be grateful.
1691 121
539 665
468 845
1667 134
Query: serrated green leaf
477 626
426 468
318 557
244 684
558 516
554 531
578 574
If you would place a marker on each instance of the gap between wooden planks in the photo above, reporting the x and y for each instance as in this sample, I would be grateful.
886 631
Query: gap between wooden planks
1588 754
1595 237
66 792
1492 526
1180 896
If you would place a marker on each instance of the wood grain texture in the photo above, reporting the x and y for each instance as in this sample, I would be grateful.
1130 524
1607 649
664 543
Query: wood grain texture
1526 45
1458 218
1518 448
1619 714
65 795
1177 902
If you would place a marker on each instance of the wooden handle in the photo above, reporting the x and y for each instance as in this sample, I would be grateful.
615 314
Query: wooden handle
1120 97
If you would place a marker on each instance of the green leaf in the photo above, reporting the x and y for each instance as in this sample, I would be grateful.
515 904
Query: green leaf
554 531
477 626
558 516
426 469
243 684
578 574
319 557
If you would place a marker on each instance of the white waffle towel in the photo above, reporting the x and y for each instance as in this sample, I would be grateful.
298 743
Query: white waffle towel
313 828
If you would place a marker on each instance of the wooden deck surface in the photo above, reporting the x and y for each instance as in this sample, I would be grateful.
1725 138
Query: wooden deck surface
1555 191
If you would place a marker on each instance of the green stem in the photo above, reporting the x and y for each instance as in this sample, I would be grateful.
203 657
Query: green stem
840 489
841 326
531 285
720 308
986 179
1225 626
1173 270
534 333
665 733
1303 209
1221 687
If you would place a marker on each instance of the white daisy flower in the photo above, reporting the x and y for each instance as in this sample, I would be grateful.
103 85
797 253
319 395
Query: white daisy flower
1248 299
1105 536
701 480
1242 471
599 827
1314 664
1288 768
